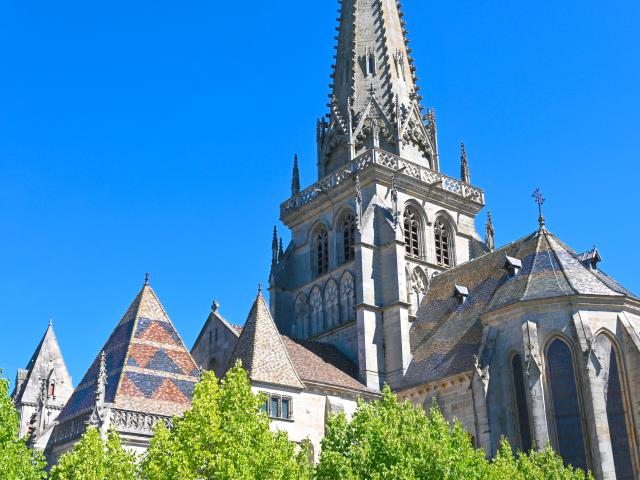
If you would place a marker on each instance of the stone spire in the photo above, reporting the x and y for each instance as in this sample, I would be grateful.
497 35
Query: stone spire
490 238
280 250
274 248
465 172
374 89
295 179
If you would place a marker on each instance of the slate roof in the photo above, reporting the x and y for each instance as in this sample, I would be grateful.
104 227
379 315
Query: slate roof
324 364
261 350
149 370
46 357
447 335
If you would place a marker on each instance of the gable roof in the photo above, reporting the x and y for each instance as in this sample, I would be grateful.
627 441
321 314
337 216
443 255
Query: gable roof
148 368
324 364
261 350
447 335
46 359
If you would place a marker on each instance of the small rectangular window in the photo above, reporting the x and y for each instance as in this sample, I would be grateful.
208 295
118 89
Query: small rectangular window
285 408
275 410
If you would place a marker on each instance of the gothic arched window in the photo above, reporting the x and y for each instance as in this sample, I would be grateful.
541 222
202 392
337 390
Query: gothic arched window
331 307
301 327
320 251
347 237
616 408
412 232
444 245
315 302
520 403
566 405
347 298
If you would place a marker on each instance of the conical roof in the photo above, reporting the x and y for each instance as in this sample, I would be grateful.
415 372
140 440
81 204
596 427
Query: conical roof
447 335
46 359
261 350
149 369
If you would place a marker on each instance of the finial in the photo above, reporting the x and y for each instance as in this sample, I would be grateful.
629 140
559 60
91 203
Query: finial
540 200
274 248
280 250
215 306
295 180
260 289
490 239
51 321
146 279
465 172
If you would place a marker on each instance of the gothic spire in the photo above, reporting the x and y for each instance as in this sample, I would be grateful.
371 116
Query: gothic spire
295 179
280 250
374 76
274 248
465 172
490 238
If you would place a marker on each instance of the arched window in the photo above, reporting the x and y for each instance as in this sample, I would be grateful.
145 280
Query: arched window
301 327
616 409
566 405
331 308
320 256
52 390
316 312
444 245
347 298
412 232
347 237
520 403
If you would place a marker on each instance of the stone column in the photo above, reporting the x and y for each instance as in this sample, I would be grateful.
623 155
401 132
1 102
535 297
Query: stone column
594 409
535 390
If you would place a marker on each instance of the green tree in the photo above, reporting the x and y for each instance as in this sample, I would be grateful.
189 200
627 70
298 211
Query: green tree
93 458
17 461
545 465
224 436
388 440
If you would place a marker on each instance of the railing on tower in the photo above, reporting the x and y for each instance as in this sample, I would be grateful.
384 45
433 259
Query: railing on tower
385 159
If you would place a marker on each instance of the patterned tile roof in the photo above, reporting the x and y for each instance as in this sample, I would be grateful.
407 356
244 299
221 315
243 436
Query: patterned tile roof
324 364
261 350
447 334
149 370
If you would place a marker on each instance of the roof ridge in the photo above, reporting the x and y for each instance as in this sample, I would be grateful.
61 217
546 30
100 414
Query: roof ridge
562 269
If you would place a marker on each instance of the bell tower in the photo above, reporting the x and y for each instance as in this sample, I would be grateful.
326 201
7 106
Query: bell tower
382 218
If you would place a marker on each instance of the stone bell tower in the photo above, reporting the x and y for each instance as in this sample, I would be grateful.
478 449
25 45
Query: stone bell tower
382 218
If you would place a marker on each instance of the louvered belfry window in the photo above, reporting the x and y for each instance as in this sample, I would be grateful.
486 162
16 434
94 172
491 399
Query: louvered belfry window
348 237
321 251
443 244
412 232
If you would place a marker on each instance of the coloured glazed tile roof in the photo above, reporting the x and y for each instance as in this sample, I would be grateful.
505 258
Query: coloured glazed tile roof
447 335
149 370
321 363
261 350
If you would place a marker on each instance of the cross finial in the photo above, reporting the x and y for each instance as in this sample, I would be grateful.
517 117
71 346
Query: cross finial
215 306
146 278
51 321
539 199
260 289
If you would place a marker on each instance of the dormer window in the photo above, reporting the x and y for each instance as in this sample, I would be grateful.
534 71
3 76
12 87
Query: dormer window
591 259
461 294
512 266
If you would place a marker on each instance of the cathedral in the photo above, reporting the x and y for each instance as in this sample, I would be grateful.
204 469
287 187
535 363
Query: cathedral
385 281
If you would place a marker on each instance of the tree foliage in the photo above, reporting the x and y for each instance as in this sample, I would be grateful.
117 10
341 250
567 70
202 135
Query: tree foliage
224 436
388 440
93 458
17 461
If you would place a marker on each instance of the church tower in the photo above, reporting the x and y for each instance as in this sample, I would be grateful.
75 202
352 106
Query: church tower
382 218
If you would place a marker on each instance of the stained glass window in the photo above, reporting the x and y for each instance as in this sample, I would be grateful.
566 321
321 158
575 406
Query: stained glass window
522 408
566 406
616 411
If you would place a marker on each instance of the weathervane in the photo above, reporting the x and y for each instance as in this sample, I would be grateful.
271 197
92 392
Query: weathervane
539 199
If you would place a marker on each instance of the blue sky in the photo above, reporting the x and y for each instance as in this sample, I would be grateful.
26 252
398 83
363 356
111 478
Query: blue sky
159 136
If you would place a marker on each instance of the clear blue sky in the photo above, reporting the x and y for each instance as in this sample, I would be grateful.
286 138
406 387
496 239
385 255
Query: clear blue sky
158 136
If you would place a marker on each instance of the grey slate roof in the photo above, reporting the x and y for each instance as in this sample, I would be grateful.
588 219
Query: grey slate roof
446 335
261 349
